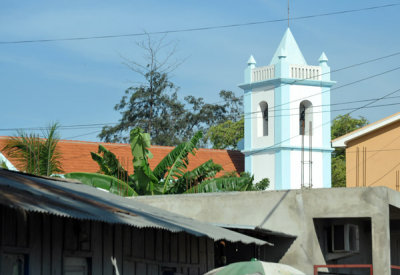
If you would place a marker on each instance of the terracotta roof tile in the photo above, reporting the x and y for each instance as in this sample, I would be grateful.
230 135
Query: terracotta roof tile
76 156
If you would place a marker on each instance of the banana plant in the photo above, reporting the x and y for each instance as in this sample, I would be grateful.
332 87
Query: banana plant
170 176
109 183
223 185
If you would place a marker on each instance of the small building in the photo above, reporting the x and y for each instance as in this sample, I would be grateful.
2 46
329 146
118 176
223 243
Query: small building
372 154
51 226
317 227
287 119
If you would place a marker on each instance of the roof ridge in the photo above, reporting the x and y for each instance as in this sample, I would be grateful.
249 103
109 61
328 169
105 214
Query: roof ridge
368 126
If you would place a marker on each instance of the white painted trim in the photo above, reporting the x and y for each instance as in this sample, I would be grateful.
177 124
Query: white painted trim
343 140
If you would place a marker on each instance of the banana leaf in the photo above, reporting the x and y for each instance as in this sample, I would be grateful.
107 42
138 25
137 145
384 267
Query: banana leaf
191 178
109 183
223 185
140 142
146 182
109 163
175 163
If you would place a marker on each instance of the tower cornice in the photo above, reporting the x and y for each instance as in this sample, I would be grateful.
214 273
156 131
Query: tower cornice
287 81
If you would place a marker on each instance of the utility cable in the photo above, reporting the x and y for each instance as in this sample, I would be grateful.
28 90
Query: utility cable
198 28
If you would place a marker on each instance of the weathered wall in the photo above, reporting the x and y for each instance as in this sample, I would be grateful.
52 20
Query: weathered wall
292 212
47 243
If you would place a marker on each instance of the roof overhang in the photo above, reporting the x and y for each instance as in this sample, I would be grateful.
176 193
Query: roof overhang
341 142
79 201
258 229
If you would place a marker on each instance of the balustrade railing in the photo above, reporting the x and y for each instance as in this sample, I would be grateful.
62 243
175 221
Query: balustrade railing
296 71
305 72
263 73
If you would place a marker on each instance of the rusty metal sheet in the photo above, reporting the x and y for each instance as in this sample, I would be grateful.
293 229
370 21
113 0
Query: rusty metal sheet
79 201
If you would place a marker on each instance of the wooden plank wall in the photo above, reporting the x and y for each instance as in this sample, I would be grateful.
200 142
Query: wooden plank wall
46 240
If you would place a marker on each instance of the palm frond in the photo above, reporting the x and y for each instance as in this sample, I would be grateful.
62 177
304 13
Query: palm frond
36 155
50 157
25 150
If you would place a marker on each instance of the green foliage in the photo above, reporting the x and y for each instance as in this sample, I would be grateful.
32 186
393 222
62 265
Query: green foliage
205 171
3 164
223 185
154 106
177 160
36 155
170 176
109 183
145 182
109 164
262 184
226 134
342 125
338 171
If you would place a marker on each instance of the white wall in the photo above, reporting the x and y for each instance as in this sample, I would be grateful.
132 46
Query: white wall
299 93
295 172
260 141
264 164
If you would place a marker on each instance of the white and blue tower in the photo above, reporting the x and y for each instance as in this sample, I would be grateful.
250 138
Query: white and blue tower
287 119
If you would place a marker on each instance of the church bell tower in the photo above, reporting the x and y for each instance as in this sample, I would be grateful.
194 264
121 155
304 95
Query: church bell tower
287 119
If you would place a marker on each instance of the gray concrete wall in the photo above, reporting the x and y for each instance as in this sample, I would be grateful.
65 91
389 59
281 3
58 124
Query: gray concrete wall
292 212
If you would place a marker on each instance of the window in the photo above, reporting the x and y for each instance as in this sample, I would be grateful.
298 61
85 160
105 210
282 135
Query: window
76 266
263 119
14 264
306 118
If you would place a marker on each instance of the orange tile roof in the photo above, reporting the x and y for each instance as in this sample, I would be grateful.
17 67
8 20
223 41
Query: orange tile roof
76 156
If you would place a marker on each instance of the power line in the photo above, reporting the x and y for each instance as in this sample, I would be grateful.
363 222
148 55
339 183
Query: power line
335 88
82 135
89 126
334 104
328 122
198 28
333 71
95 125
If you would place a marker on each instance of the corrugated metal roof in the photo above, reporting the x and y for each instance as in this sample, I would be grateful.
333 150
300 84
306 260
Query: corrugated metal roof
75 200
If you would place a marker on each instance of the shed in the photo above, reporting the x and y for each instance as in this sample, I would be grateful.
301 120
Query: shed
52 226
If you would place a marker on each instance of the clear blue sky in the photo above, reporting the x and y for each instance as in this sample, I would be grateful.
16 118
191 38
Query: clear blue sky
79 82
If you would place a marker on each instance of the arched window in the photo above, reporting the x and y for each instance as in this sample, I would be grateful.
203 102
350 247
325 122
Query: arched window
306 118
264 119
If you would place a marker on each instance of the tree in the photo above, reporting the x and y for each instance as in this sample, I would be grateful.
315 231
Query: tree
229 130
342 125
170 176
155 106
226 134
152 105
38 156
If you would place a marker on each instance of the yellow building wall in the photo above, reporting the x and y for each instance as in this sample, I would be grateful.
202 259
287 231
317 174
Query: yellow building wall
374 159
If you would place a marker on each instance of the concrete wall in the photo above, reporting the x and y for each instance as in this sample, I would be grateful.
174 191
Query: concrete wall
373 159
293 212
